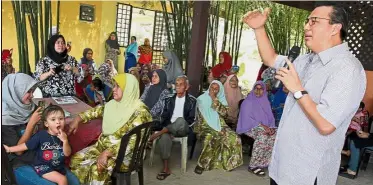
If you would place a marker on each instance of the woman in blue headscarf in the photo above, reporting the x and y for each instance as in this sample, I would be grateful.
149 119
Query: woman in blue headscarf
222 148
131 55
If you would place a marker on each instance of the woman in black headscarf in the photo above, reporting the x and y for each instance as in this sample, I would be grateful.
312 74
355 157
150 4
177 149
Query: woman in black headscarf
112 49
154 95
87 59
57 71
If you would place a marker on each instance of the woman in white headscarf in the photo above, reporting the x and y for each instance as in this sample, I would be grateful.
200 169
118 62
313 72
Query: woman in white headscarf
172 67
18 121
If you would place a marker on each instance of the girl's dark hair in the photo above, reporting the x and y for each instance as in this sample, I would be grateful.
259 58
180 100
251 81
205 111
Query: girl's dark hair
133 37
51 109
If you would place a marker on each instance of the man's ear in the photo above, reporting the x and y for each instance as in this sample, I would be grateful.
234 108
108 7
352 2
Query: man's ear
336 29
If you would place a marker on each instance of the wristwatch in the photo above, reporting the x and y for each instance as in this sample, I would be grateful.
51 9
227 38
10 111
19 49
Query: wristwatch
299 94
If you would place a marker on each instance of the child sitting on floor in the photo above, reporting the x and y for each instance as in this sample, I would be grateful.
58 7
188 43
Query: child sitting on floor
95 92
51 146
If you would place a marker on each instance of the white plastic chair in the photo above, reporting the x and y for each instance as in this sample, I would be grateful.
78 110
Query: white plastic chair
37 93
184 151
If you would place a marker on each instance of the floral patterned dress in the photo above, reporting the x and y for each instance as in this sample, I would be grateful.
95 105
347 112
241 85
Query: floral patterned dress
262 148
221 150
61 84
112 54
84 162
157 109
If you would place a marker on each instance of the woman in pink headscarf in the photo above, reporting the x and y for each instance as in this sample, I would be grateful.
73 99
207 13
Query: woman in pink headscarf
233 95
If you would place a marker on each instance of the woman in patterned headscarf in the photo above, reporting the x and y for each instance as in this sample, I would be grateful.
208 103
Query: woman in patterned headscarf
94 164
222 148
145 52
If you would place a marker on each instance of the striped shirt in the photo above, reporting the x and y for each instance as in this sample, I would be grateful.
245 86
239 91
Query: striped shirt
336 82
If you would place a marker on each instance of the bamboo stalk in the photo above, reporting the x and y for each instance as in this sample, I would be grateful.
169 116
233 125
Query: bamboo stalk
40 7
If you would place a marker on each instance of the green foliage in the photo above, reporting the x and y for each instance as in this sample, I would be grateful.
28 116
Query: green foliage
241 72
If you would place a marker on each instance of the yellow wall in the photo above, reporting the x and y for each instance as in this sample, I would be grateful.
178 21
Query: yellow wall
81 34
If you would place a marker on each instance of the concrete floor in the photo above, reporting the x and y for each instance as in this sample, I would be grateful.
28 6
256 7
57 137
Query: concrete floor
239 176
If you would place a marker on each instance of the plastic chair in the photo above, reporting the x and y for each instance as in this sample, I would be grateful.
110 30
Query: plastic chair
142 133
184 151
38 93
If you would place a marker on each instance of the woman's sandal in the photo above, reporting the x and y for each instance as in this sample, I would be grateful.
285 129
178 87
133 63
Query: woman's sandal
257 171
198 170
162 175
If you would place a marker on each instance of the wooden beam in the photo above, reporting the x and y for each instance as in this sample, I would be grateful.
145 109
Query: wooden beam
197 45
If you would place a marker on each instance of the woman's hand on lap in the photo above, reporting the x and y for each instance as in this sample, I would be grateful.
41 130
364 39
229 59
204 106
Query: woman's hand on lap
74 125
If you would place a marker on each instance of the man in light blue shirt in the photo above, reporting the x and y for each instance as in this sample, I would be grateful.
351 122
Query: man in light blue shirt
326 87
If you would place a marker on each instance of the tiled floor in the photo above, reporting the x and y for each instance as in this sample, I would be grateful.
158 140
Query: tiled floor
239 176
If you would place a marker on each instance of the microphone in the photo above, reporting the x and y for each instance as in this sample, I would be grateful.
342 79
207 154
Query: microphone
293 54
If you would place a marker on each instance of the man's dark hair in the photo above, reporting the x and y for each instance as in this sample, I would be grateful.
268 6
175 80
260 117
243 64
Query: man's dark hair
98 83
134 38
339 15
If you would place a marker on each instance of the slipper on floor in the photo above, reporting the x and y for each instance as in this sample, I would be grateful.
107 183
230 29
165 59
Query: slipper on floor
257 171
198 170
163 175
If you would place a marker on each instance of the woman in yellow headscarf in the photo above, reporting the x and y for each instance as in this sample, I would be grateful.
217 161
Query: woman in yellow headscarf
94 164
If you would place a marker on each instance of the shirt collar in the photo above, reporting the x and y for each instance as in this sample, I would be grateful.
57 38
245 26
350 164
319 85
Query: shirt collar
327 55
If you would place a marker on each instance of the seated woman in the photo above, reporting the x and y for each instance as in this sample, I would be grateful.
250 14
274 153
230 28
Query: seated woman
224 66
256 121
107 71
83 83
362 140
233 95
155 94
222 148
135 72
6 63
94 164
88 60
278 103
57 71
19 120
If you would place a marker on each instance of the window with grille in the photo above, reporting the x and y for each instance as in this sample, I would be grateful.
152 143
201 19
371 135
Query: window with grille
123 27
160 41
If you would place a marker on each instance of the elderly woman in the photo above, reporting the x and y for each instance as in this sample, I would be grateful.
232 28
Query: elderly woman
112 49
94 164
145 52
172 67
56 73
256 121
233 95
107 71
222 148
155 94
19 119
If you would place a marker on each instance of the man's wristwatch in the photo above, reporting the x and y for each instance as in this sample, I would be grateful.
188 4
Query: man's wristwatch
299 94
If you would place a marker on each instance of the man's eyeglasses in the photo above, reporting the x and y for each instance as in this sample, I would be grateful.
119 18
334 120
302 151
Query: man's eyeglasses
312 20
